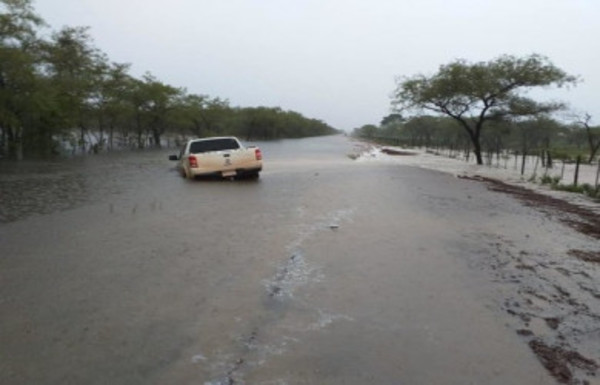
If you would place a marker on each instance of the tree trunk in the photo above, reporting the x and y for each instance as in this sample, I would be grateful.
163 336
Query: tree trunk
523 161
593 151
139 131
474 136
111 131
477 149
82 138
156 136
14 143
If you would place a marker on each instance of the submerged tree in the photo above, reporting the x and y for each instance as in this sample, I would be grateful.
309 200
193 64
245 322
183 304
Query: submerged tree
474 94
19 86
74 67
64 93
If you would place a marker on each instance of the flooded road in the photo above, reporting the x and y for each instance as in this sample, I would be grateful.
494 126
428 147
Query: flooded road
116 270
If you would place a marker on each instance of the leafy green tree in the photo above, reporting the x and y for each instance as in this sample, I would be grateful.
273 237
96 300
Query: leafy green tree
367 131
203 115
160 100
75 66
391 126
112 109
392 120
20 99
260 123
421 130
474 94
64 89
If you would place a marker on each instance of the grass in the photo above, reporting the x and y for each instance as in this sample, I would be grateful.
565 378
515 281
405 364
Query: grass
585 189
554 183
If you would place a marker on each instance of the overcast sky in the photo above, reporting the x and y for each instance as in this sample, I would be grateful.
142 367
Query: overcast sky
334 60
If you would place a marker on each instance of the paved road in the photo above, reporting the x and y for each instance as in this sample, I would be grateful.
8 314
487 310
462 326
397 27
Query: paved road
115 270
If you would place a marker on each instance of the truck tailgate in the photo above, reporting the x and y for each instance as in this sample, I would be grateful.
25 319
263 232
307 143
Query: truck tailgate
228 160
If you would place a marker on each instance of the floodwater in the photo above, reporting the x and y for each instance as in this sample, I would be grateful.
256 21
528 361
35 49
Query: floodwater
115 270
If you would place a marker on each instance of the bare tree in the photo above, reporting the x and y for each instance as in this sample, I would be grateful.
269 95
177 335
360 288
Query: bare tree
592 133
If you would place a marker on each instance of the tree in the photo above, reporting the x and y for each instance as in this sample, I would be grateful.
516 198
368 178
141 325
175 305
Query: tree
159 101
111 105
367 131
75 67
392 120
592 134
260 123
19 86
202 115
64 90
474 94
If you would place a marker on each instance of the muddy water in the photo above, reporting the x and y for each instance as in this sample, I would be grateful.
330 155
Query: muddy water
116 270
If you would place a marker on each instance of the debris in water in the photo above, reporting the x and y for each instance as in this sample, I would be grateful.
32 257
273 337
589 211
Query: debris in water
197 358
390 151
274 290
552 322
524 332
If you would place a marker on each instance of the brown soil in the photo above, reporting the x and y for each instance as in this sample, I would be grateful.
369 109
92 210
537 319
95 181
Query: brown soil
559 346
577 217
557 360
587 256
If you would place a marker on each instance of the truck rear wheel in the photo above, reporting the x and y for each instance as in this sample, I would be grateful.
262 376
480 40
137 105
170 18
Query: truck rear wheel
187 174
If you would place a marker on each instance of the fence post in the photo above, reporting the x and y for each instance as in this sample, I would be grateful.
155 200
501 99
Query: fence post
597 175
537 161
577 170
543 157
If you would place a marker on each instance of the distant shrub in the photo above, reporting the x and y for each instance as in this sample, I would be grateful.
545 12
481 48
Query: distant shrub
569 188
585 189
590 190
551 180
546 179
567 155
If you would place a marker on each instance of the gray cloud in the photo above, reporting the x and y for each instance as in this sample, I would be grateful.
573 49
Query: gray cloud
332 59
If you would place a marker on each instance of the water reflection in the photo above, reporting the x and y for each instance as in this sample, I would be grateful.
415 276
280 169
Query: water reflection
42 187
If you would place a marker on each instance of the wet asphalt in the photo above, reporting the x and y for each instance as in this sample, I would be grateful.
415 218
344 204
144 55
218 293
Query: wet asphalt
115 270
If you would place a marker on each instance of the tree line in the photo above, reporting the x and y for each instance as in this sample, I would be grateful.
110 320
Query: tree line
480 108
540 136
61 93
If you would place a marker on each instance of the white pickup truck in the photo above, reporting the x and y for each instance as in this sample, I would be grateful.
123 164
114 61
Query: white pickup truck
223 156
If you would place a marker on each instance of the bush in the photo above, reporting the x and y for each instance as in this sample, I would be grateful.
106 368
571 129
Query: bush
546 179
551 180
586 189
590 190
569 188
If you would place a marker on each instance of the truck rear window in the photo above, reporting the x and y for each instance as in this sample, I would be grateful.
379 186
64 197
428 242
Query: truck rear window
214 145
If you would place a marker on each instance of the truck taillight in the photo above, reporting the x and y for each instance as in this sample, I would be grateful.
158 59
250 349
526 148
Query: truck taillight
193 161
258 154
